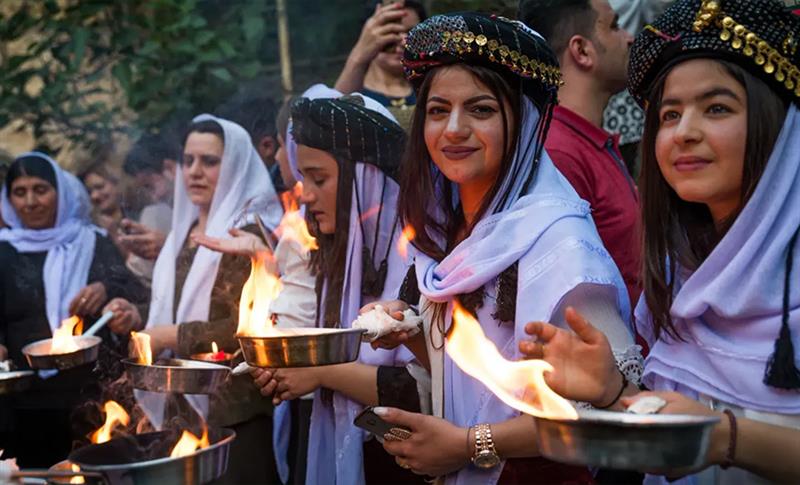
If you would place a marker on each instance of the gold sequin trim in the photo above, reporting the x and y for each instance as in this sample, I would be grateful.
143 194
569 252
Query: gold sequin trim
741 38
521 64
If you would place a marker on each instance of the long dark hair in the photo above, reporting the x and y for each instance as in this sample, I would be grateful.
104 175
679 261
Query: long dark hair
419 184
328 262
681 233
419 181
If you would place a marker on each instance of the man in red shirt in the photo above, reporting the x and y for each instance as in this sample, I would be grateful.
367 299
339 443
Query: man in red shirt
593 52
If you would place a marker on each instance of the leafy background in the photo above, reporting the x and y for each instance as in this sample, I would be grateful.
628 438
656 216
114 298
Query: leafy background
76 74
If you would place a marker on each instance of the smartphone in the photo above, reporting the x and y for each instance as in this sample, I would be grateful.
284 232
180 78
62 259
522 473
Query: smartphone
369 421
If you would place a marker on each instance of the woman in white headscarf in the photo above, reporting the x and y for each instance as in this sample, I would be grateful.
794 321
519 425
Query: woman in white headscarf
196 290
55 264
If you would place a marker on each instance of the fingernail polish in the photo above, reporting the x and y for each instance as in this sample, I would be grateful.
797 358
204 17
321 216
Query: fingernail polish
380 411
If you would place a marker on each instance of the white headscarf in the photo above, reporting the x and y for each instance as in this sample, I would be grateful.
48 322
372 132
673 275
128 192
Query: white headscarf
243 178
69 243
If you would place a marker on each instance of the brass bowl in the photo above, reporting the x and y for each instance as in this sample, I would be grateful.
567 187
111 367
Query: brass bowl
302 347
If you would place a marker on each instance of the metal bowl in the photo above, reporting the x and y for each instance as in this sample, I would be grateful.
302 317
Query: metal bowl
143 459
15 381
39 357
302 347
177 375
625 441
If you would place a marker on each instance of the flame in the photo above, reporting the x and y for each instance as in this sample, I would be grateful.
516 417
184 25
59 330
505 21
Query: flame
258 293
141 346
63 340
406 237
115 415
214 348
189 443
293 225
520 384
76 468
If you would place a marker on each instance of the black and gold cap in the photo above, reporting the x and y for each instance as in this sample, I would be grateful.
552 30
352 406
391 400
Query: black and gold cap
762 36
501 44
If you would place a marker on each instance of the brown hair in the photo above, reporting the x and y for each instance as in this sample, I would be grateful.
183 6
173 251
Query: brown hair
328 262
681 233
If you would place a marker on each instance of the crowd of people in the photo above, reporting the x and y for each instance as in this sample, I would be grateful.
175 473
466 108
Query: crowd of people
663 266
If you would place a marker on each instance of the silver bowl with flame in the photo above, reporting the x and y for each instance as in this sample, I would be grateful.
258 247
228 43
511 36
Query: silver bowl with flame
144 459
177 375
39 357
626 441
302 347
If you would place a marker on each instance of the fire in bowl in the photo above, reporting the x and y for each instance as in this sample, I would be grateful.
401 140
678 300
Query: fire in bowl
626 441
144 459
302 347
177 375
15 381
40 354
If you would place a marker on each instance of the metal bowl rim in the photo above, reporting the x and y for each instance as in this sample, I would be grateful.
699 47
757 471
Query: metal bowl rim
159 461
334 332
94 339
621 419
193 365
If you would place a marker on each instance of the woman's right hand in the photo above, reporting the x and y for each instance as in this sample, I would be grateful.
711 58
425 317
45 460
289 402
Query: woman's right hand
242 243
395 309
126 316
583 362
381 30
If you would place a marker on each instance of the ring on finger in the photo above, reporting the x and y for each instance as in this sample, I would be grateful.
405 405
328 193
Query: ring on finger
401 433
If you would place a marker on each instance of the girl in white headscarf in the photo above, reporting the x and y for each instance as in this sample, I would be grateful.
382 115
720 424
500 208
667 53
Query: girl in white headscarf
196 290
55 264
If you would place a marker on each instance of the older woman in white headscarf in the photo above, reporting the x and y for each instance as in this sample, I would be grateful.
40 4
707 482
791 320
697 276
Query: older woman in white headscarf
55 264
196 290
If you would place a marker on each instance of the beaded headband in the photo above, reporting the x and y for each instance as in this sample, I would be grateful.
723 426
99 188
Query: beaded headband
759 35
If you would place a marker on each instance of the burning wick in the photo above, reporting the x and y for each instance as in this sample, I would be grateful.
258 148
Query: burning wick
216 354
63 340
115 415
189 443
258 293
76 468
141 347
520 384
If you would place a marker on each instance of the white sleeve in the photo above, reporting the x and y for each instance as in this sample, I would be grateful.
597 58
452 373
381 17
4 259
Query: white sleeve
598 304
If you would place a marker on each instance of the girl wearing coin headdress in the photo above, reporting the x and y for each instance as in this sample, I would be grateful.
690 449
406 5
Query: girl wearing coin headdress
346 152
720 193
499 231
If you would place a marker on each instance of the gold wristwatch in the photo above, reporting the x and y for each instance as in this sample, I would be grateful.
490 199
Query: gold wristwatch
485 456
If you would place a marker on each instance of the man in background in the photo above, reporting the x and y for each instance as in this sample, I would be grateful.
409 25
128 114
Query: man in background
593 53
151 164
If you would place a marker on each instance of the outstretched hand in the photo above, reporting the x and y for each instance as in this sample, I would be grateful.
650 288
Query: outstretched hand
583 360
242 243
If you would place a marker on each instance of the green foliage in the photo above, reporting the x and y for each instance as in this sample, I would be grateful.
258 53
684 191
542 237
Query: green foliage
100 61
